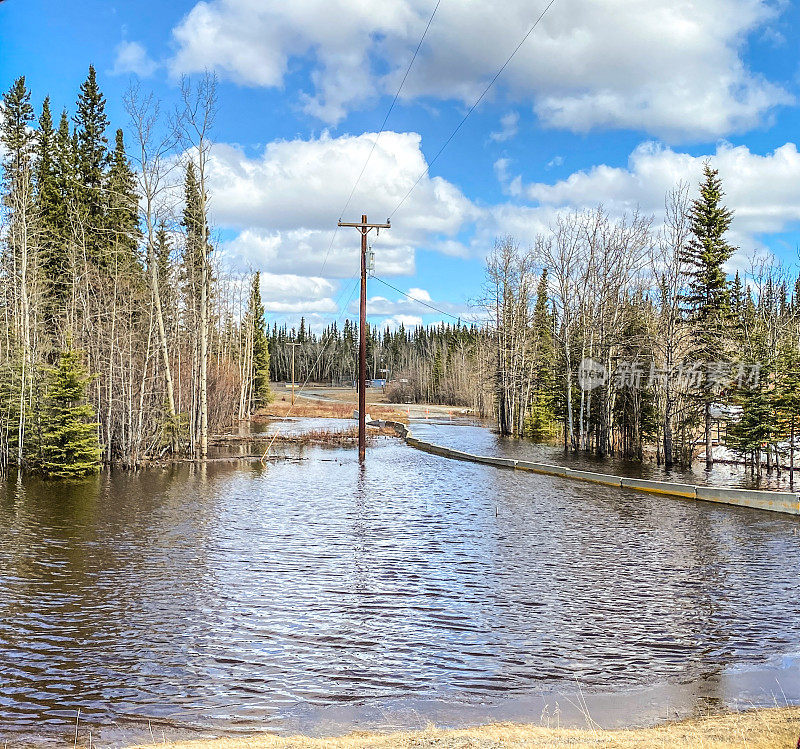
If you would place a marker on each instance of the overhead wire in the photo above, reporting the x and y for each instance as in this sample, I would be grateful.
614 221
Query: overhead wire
355 185
473 107
380 132
414 299
423 173
391 107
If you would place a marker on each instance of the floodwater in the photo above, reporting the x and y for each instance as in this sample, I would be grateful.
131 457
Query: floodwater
478 439
316 595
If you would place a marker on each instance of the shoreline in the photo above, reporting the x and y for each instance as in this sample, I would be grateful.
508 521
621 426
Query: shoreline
764 728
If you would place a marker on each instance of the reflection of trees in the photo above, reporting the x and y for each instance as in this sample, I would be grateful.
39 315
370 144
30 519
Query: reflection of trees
97 575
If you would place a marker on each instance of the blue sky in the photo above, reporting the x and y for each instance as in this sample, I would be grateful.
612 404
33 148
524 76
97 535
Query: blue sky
609 101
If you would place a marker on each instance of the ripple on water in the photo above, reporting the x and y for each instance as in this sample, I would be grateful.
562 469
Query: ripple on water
237 595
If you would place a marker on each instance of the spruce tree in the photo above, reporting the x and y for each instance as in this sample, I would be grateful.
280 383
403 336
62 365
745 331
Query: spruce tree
51 213
69 437
163 254
66 165
193 220
541 422
90 128
708 296
123 210
47 197
787 396
67 187
16 116
262 394
756 426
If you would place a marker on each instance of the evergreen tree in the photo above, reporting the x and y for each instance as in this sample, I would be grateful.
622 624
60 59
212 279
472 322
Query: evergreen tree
47 196
51 214
163 253
60 222
16 116
708 297
69 438
123 205
66 168
756 427
541 421
260 389
787 396
193 223
91 123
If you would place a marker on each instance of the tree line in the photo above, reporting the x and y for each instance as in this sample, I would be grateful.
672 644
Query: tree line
435 364
120 338
618 338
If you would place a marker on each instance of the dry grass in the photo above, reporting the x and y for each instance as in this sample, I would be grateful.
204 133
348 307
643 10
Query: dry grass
775 728
326 409
333 437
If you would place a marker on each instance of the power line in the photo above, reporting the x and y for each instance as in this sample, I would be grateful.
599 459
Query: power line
414 299
349 198
391 107
472 108
383 127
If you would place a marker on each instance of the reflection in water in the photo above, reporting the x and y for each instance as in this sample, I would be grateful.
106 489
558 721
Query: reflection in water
464 434
239 596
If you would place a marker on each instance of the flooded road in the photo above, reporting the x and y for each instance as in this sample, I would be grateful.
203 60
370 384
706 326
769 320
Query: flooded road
475 438
318 595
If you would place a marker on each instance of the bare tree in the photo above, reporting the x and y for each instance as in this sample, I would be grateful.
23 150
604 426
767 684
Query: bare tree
155 162
197 119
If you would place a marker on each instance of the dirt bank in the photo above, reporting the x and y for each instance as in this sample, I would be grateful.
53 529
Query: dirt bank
776 728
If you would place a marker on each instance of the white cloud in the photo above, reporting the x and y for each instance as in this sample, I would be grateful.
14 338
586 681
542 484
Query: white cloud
381 306
132 57
671 68
511 185
763 191
509 127
283 287
286 202
407 321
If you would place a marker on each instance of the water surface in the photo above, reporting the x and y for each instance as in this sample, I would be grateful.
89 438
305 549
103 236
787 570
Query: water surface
317 595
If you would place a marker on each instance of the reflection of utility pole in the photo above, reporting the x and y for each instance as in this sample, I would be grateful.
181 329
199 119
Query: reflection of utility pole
364 228
293 347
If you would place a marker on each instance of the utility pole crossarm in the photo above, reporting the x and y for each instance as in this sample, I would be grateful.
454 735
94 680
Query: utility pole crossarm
365 225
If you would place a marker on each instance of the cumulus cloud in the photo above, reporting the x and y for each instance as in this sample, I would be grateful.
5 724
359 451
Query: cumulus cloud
764 191
672 69
407 321
132 57
286 201
281 205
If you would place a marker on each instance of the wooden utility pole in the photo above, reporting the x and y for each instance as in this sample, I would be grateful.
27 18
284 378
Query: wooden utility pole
293 345
364 228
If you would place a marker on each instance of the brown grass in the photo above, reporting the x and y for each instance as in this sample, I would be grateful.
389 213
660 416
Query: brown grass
335 437
774 728
326 409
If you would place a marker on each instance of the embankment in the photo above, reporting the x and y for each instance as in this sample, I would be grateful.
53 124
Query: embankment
786 502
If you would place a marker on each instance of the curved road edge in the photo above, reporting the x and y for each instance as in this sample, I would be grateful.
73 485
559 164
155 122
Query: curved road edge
785 502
